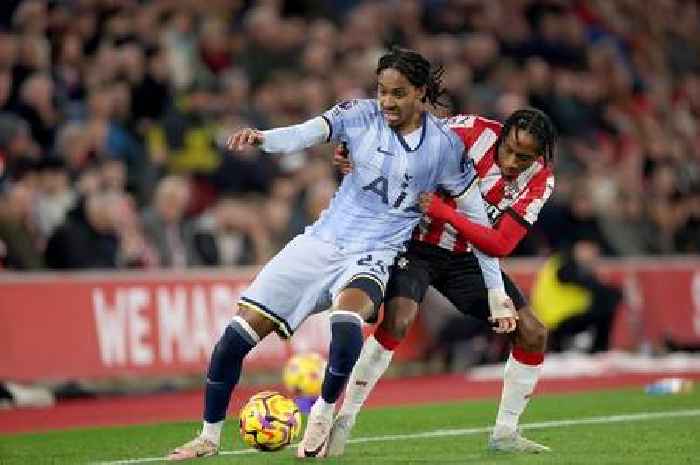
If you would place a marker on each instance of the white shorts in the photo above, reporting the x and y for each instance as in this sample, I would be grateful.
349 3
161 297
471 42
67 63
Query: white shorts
306 276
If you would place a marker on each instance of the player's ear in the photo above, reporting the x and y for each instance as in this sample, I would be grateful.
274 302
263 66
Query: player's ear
422 91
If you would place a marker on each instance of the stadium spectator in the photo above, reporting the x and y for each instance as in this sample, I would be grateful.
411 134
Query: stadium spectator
55 196
113 174
625 226
20 243
73 145
36 106
687 238
17 148
165 226
93 237
570 299
230 234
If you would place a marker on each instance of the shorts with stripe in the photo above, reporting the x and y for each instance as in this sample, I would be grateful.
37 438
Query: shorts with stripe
307 275
457 276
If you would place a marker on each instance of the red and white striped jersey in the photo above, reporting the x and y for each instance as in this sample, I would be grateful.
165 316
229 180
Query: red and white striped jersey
523 196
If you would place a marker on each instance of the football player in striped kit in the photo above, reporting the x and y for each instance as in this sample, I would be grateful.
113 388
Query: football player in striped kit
513 163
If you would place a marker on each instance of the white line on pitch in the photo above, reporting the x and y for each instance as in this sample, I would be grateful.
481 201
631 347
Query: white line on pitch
463 432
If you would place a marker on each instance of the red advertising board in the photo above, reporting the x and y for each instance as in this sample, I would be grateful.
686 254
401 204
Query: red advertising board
99 325
106 325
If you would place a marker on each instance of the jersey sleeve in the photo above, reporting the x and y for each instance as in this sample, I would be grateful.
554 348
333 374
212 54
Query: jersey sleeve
349 117
497 242
457 174
478 134
291 139
472 206
527 208
463 126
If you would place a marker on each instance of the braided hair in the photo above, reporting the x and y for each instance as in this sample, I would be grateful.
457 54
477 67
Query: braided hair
538 124
417 70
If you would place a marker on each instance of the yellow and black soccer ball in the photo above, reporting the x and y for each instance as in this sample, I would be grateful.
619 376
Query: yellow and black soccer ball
269 421
303 375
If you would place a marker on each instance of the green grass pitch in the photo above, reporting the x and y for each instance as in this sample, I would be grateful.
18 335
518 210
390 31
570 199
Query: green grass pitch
623 427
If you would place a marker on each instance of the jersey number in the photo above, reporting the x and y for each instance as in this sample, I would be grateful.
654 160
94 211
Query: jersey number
376 267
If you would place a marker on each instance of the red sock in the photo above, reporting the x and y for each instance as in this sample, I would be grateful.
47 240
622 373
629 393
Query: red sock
527 358
387 341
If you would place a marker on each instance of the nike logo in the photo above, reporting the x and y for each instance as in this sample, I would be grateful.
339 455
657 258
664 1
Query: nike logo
380 150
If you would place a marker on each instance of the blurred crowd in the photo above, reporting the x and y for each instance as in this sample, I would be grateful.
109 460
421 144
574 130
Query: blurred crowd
113 115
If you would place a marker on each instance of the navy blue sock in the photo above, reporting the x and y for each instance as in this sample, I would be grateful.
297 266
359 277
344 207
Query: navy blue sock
346 344
225 369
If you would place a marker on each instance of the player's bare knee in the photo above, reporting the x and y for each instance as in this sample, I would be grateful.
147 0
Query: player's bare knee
363 296
538 337
531 335
354 300
399 315
402 327
256 321
395 327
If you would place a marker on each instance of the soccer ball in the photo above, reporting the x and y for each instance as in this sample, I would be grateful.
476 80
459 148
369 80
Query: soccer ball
269 421
303 375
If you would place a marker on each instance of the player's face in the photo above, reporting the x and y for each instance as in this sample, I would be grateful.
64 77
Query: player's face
399 100
517 152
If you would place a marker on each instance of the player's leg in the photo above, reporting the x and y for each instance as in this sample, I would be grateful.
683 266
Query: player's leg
353 305
246 329
376 355
522 371
272 302
466 290
355 302
407 286
378 350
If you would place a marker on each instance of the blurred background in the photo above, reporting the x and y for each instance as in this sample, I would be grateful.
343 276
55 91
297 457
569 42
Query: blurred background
113 115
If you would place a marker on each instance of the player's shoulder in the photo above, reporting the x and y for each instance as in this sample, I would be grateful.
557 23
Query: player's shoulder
441 130
542 179
470 124
357 106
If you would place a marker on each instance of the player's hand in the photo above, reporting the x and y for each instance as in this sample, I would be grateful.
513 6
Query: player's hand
246 137
435 207
341 159
424 201
503 313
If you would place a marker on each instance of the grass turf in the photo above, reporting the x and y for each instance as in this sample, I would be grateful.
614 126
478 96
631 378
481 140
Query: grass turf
672 440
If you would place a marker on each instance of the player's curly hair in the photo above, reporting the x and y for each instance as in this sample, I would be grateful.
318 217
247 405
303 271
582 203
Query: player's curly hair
418 70
538 124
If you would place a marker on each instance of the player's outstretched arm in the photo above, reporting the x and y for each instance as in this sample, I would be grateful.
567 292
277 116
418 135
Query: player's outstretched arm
497 242
286 139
